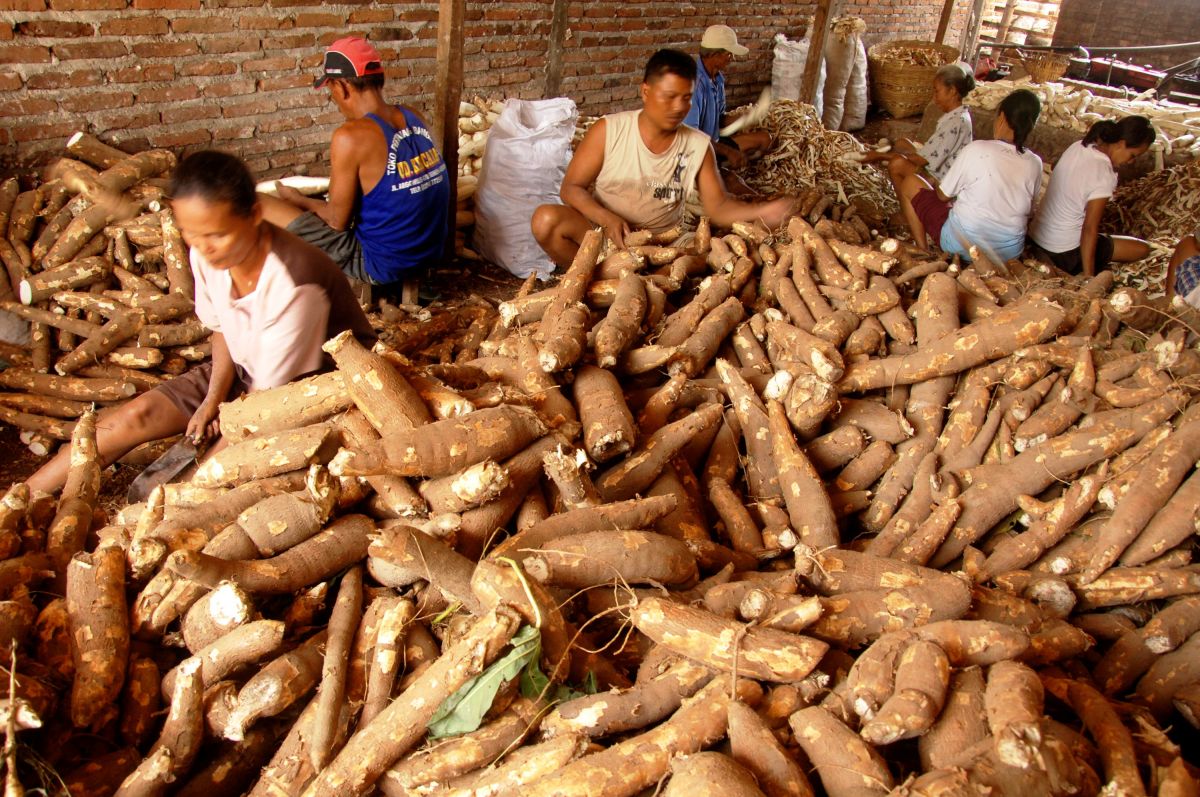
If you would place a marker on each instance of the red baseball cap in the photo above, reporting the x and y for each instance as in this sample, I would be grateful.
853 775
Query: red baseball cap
352 56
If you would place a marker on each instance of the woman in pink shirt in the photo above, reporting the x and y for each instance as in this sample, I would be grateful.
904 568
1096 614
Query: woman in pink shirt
269 298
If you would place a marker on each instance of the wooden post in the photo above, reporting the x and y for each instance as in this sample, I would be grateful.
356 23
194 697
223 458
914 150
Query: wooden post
447 93
816 51
1006 22
969 46
944 22
558 31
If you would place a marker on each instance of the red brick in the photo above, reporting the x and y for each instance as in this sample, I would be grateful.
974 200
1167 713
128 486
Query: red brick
58 29
22 5
319 20
190 113
27 107
165 49
177 92
293 158
411 53
287 82
209 68
313 137
251 108
87 101
65 80
124 119
290 3
213 24
42 131
231 88
420 15
259 165
390 34
172 139
227 133
230 44
364 15
302 99
147 73
286 123
134 26
24 54
10 81
69 52
177 5
261 23
86 5
290 42
6 33
277 63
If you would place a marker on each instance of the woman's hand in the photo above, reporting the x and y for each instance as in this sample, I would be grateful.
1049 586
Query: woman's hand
203 424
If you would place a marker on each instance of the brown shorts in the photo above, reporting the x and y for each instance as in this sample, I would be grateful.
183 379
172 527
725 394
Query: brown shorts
932 212
188 390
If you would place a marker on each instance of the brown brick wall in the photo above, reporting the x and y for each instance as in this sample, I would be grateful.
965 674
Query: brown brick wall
1126 23
236 74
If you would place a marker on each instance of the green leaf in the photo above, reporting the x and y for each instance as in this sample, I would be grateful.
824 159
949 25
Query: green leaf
463 711
535 684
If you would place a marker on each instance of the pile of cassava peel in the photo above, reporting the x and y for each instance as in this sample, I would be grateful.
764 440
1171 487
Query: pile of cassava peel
741 512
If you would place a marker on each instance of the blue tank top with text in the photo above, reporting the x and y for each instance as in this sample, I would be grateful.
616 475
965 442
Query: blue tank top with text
402 222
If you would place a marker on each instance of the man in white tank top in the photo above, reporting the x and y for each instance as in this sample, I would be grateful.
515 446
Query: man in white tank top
634 170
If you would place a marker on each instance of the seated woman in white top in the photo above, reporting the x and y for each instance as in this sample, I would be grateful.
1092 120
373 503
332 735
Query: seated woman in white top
986 197
269 298
951 84
1066 229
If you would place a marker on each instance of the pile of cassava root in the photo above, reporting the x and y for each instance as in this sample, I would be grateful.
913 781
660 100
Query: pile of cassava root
814 517
95 264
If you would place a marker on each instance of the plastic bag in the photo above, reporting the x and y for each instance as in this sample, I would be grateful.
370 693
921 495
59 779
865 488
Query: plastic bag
841 50
528 149
787 69
854 113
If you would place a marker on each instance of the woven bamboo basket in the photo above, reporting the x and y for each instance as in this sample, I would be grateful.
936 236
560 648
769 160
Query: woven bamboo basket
900 87
1045 67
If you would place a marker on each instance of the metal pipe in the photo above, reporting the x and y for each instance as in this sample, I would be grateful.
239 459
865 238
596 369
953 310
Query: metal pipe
1074 47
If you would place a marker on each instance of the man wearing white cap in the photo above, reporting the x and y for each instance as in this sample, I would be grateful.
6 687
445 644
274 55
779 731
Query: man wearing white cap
717 48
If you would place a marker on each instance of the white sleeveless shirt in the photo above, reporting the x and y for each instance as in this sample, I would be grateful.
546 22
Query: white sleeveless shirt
648 190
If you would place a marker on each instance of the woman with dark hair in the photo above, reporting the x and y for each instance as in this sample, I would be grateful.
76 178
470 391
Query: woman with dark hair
269 298
987 195
1066 230
951 84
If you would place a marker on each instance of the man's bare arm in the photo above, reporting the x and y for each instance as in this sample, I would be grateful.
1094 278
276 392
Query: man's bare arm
576 191
722 209
348 142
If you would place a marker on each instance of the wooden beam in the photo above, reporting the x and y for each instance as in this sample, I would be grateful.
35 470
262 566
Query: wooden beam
554 56
968 47
1006 21
816 51
446 95
944 22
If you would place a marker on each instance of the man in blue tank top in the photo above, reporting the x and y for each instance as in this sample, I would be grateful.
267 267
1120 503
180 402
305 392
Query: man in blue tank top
386 216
